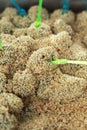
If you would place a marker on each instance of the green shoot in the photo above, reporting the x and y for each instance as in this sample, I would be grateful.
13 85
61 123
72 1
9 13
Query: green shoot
58 61
1 44
66 61
38 19
77 62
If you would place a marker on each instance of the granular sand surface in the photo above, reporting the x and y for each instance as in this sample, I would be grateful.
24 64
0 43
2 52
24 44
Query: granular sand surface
34 94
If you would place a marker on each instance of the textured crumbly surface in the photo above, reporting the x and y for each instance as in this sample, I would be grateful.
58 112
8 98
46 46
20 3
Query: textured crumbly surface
59 26
61 42
76 52
21 22
10 13
7 38
20 32
6 26
68 117
68 17
43 31
62 89
81 20
85 40
34 94
39 60
12 102
2 82
7 121
34 10
24 84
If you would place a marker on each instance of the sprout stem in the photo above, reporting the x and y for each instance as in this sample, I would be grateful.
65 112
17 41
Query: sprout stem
38 19
65 61
77 62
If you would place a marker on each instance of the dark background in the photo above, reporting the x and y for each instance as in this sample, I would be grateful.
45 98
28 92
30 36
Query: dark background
75 5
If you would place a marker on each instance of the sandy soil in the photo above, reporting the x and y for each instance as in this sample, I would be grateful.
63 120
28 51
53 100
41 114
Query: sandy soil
34 94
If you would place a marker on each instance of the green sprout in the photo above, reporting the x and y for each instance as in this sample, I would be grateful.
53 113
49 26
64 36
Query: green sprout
1 44
38 19
66 61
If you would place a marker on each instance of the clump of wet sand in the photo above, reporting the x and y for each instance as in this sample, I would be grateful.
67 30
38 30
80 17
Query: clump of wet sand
34 94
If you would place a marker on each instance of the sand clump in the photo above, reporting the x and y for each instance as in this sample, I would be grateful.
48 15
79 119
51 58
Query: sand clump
43 31
61 42
59 26
35 94
6 26
10 13
12 102
7 121
70 116
67 17
21 22
20 32
81 21
24 84
34 10
2 82
39 60
76 52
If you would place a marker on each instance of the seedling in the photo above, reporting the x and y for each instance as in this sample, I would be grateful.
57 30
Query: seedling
66 61
65 7
21 11
38 19
1 45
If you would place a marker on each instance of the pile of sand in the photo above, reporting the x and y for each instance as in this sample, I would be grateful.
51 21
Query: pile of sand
34 94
